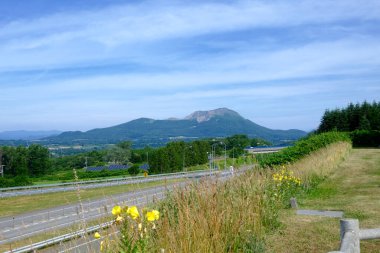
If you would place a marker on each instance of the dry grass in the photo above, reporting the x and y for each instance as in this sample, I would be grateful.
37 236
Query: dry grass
353 186
321 163
236 215
215 217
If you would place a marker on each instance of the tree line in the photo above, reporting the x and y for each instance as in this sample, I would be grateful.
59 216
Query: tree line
25 161
35 161
362 121
364 116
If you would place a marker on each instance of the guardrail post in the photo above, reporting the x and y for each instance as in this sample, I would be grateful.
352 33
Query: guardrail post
293 203
351 226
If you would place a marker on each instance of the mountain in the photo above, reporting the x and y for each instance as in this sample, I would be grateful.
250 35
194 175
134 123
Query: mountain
221 122
27 135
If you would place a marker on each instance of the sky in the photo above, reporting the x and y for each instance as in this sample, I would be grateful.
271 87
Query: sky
83 64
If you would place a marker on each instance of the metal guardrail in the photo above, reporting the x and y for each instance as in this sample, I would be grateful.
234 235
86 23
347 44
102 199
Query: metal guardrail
18 188
350 236
40 245
70 236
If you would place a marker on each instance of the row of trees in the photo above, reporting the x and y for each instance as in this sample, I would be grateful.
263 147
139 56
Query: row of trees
25 161
363 116
35 160
176 155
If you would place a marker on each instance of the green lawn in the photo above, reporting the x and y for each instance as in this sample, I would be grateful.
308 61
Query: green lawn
354 188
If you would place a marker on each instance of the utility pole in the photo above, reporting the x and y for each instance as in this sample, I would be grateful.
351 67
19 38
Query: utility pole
1 163
86 161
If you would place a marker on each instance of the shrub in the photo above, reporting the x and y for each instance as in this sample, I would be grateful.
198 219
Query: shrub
16 181
365 138
134 170
301 148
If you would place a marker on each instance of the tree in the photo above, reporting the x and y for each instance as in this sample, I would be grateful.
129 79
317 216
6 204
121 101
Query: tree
363 116
364 123
120 153
134 170
38 160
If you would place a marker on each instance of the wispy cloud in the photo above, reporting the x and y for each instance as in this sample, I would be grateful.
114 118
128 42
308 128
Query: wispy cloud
204 53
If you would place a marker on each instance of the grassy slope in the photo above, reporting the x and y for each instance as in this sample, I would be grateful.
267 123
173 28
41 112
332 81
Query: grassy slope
353 188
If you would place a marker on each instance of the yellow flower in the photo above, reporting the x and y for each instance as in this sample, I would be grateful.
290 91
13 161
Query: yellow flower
156 214
116 210
101 245
97 235
119 219
133 212
152 215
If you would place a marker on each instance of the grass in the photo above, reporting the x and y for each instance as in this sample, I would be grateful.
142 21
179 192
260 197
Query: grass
236 215
353 187
213 216
24 204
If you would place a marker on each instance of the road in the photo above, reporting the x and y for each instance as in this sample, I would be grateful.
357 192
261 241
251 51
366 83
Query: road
23 226
26 225
33 190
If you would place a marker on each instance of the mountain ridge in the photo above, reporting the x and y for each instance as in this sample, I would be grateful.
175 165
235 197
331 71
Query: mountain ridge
27 135
221 122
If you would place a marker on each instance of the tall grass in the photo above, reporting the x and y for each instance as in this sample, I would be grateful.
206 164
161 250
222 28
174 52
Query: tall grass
321 163
215 216
234 215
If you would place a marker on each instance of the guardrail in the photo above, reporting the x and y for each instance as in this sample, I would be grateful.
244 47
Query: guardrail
350 236
97 181
40 245
59 239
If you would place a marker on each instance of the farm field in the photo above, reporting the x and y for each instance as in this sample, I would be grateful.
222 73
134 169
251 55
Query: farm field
354 187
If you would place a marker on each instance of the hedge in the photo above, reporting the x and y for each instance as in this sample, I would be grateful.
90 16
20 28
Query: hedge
302 148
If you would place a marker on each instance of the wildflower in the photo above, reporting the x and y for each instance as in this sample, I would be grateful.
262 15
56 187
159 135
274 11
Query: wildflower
116 210
152 215
156 214
133 212
139 226
119 219
97 235
101 245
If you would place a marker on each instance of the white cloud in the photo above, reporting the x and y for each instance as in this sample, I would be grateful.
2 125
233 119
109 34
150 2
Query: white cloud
65 35
162 34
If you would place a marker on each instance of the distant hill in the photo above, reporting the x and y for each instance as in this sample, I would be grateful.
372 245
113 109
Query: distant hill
221 122
27 135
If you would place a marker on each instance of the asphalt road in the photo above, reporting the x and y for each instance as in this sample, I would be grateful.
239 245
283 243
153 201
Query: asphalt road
7 193
26 225
23 226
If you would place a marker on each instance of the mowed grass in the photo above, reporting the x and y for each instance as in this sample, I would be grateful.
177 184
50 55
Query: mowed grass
353 187
24 204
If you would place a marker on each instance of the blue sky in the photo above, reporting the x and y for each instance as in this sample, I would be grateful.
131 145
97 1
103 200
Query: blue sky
81 64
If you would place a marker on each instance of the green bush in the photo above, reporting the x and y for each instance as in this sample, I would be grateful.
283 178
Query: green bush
16 181
134 170
365 138
301 148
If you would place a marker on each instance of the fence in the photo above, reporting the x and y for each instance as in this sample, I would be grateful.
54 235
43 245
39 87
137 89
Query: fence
350 236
